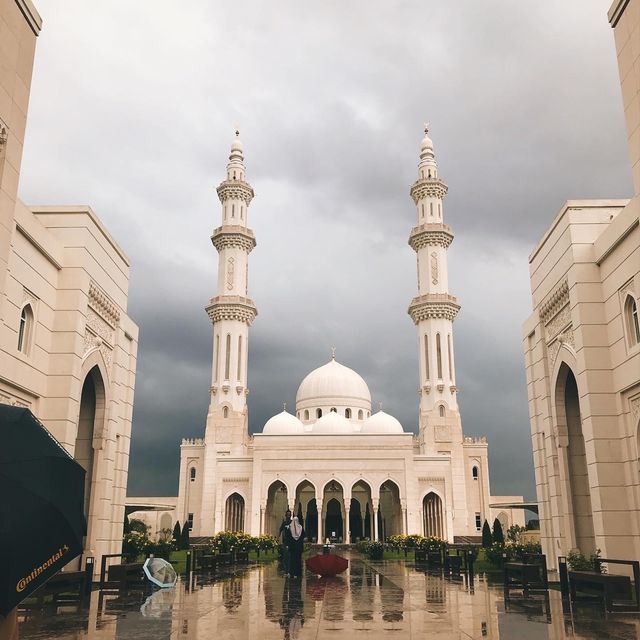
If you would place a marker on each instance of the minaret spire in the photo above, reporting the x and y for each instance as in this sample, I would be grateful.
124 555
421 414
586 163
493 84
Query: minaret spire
231 310
434 309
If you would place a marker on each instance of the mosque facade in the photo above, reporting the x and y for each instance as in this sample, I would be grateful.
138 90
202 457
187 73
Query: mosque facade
357 473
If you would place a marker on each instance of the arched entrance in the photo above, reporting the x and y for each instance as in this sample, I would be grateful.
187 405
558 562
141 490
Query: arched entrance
333 523
306 507
390 511
90 425
569 419
360 511
432 515
234 513
277 504
333 507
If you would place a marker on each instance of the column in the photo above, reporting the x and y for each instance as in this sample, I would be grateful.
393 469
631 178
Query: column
262 532
320 527
375 519
346 526
404 521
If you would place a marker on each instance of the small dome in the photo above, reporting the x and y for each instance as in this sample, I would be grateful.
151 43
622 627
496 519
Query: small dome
334 423
381 422
427 143
333 383
282 424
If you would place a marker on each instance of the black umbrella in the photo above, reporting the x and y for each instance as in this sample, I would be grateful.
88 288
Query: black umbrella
41 506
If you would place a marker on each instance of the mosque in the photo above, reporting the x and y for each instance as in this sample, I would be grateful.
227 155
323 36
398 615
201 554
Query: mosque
357 473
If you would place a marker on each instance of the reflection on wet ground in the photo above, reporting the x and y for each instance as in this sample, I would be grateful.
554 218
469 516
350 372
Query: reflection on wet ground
389 598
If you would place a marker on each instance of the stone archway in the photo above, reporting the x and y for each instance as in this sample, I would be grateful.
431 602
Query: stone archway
390 511
277 504
306 507
360 511
570 423
333 512
433 515
91 419
234 513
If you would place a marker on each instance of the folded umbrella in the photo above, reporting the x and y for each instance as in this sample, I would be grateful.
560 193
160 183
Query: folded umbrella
42 521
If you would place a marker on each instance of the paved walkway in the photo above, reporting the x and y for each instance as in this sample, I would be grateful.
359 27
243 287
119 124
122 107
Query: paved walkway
389 599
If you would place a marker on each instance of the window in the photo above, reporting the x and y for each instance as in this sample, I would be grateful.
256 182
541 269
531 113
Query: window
478 522
217 358
225 412
318 413
192 474
233 210
25 329
431 208
360 414
333 409
347 413
190 521
241 212
441 410
631 318
427 375
474 473
368 414
227 358
422 209
238 377
306 414
439 356
449 356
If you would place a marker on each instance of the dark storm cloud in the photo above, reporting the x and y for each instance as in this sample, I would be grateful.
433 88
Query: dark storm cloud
132 111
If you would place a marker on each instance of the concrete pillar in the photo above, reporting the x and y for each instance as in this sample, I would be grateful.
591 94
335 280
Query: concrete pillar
346 537
320 522
262 520
375 520
404 521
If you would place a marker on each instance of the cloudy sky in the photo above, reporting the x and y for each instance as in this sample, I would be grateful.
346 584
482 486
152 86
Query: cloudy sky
132 111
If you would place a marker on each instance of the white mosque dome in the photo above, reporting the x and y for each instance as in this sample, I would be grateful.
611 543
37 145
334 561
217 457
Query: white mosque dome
382 422
333 423
333 384
283 424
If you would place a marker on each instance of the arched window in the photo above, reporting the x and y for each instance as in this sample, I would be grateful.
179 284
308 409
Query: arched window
216 374
26 329
333 409
192 474
429 173
225 412
441 410
431 208
449 357
239 376
318 413
427 374
227 358
368 414
631 318
422 209
360 414
233 210
474 473
347 413
241 212
306 414
439 356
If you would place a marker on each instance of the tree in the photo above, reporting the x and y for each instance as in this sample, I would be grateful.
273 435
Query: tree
176 534
498 534
486 535
138 525
184 536
127 527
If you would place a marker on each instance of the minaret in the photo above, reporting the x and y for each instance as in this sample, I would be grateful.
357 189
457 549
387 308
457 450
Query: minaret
434 309
232 311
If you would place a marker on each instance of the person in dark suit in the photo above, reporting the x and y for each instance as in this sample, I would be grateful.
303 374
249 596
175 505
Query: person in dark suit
283 537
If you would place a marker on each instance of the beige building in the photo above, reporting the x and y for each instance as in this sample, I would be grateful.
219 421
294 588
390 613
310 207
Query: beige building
67 346
582 353
356 473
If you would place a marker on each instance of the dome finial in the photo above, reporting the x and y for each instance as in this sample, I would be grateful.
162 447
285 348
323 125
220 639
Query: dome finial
237 132
333 353
379 406
284 406
426 127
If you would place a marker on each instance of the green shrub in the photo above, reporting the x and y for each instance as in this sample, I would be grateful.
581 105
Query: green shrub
579 562
375 550
497 534
362 546
487 540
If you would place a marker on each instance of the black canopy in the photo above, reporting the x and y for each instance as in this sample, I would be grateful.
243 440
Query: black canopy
41 506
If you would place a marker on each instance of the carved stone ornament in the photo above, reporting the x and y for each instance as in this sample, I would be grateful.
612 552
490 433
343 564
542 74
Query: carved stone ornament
233 236
440 387
214 390
430 235
225 388
433 305
428 188
434 268
232 308
236 190
4 134
554 302
442 433
239 389
558 322
230 272
634 404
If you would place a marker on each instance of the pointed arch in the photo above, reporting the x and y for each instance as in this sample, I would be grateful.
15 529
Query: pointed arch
631 320
26 329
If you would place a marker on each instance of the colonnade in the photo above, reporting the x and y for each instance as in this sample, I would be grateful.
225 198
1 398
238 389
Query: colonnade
234 513
433 516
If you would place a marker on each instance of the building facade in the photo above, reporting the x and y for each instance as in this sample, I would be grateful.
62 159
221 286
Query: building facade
67 346
582 354
357 474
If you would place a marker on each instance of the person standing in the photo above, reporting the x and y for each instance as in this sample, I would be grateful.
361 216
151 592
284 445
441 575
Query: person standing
295 542
282 534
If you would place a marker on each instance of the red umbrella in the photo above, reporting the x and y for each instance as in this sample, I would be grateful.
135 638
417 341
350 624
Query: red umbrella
316 587
327 565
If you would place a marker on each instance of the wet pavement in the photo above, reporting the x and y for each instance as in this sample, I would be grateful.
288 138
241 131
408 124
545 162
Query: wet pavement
390 599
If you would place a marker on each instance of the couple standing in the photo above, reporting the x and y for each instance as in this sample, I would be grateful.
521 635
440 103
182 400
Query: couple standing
292 533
